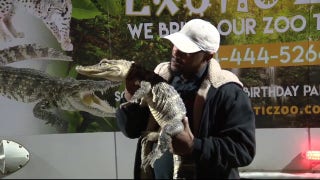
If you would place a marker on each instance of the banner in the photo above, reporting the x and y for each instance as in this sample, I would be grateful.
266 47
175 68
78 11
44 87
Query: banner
273 46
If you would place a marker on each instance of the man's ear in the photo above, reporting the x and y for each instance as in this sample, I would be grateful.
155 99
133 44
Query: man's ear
208 56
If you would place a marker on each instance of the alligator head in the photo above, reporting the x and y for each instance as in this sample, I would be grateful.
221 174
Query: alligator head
114 70
121 70
80 95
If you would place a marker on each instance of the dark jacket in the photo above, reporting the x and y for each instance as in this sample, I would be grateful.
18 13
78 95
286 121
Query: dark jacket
224 138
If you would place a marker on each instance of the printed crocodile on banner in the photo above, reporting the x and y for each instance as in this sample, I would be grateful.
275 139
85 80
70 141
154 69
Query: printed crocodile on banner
54 93
50 93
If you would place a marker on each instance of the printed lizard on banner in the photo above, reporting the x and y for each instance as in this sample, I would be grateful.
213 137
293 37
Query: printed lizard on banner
164 102
56 15
50 93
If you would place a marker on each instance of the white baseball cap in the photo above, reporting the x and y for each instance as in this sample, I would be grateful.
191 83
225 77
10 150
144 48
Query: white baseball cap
196 35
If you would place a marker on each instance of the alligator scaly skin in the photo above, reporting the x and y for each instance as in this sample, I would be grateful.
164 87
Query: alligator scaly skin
167 108
51 94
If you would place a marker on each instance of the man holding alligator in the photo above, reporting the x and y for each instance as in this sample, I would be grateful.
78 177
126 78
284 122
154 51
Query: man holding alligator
218 132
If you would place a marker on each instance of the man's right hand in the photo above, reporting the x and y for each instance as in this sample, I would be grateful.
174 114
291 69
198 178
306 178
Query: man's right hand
127 95
182 143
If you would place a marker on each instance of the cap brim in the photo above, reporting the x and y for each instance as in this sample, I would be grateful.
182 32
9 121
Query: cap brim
183 43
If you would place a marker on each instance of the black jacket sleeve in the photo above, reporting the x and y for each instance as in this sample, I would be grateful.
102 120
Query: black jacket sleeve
229 141
132 120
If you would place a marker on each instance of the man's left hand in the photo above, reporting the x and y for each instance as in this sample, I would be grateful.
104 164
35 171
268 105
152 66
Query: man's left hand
182 143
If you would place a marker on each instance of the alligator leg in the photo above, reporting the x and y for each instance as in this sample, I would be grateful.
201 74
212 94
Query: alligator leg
11 28
143 91
4 36
146 147
41 111
163 145
164 141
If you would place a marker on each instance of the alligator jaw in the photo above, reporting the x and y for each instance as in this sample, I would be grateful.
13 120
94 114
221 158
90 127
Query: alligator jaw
94 103
88 70
113 73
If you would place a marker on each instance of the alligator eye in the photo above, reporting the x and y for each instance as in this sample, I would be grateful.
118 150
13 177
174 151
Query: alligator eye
103 61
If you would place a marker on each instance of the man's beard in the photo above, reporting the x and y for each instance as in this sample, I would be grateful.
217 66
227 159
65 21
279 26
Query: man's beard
175 71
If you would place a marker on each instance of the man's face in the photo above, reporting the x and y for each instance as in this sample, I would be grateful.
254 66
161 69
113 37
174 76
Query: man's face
187 64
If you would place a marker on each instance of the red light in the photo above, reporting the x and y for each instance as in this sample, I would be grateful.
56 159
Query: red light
313 155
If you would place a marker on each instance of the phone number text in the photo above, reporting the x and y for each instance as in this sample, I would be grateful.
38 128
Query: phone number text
264 55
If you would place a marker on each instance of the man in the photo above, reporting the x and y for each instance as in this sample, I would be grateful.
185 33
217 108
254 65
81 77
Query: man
219 133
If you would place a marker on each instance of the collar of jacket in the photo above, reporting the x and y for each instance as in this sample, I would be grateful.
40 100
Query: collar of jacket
216 76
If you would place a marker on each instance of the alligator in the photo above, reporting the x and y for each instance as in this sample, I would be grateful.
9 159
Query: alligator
49 92
164 102
54 93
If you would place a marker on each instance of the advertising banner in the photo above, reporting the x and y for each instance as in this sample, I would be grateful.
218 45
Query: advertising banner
272 45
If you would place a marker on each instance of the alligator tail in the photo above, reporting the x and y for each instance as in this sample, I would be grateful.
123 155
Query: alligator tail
30 51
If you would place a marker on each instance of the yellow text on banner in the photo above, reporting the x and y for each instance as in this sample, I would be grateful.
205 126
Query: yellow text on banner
265 55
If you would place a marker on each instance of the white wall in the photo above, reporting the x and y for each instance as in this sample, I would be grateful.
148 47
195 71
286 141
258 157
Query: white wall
78 156
277 148
111 154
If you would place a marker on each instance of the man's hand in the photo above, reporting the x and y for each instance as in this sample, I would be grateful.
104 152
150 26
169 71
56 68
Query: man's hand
182 143
131 87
